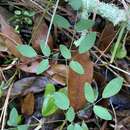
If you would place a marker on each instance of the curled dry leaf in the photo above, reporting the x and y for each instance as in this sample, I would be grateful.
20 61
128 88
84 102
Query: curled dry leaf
27 106
30 84
59 73
29 66
40 30
76 82
107 36
59 79
10 37
59 69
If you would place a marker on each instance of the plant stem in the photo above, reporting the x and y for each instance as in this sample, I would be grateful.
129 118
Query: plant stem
63 124
117 43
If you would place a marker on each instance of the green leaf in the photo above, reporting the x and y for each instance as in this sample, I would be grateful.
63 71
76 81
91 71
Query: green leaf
77 67
48 107
61 100
84 126
76 4
13 117
70 127
70 114
61 22
26 51
89 93
43 66
22 127
96 93
45 48
121 52
87 42
79 41
84 24
77 127
65 52
102 112
49 89
113 87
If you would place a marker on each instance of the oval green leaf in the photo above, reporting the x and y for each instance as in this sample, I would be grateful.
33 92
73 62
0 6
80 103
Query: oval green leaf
76 4
26 51
65 52
89 93
84 126
77 127
45 48
87 43
77 67
43 66
13 117
61 22
70 114
61 100
84 24
22 127
113 87
48 107
102 112
49 89
70 127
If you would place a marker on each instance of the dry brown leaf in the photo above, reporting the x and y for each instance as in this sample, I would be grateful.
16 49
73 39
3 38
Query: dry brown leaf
27 106
39 33
9 36
29 84
29 66
59 79
76 82
58 73
59 69
106 37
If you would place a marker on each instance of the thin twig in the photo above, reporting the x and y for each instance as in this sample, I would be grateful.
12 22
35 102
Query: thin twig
51 22
114 112
5 107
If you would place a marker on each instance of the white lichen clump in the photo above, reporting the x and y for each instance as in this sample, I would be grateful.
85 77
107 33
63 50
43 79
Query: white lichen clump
108 11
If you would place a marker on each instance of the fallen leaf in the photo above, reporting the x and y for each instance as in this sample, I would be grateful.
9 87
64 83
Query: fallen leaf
76 82
59 79
39 33
59 69
27 106
58 73
107 36
10 37
29 84
29 66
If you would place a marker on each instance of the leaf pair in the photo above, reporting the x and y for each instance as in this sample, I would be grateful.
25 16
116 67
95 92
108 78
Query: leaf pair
51 101
74 65
15 120
28 51
111 89
76 126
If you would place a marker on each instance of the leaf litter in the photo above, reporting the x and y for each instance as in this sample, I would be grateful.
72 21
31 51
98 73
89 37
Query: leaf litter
29 90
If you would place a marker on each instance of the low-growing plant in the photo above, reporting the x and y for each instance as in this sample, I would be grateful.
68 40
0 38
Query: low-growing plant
22 17
15 120
58 100
54 100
